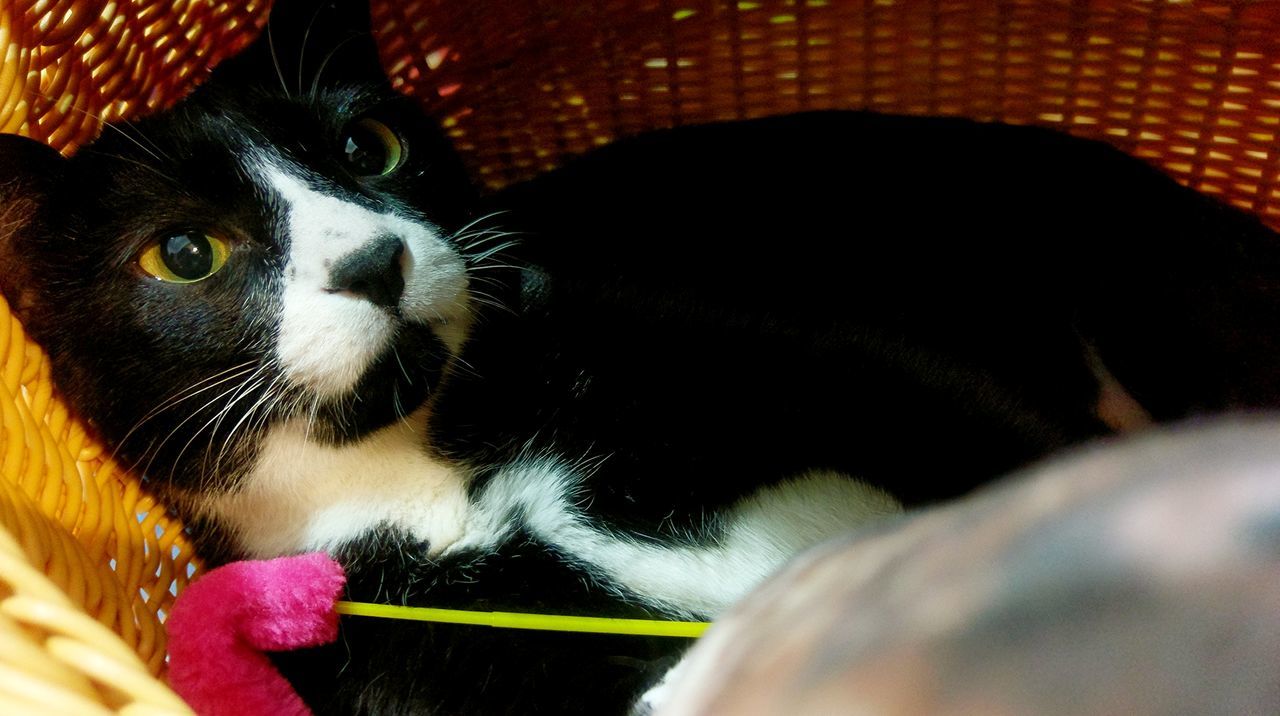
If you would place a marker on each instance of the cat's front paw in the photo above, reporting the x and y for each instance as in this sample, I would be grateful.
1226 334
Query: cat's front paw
651 701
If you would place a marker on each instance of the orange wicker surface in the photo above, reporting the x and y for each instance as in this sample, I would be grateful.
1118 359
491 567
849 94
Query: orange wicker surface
1193 86
69 65
87 561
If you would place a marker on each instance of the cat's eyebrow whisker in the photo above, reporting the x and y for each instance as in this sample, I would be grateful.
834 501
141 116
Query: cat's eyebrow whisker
315 82
122 158
155 151
98 118
275 60
302 47
158 154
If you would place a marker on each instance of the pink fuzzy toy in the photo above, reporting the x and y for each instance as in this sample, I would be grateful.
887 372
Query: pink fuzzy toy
222 623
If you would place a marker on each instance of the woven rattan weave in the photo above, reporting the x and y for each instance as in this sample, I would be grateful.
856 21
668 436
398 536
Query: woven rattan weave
1191 85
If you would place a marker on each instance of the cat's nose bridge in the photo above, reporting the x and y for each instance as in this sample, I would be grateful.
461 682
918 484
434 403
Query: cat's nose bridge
374 272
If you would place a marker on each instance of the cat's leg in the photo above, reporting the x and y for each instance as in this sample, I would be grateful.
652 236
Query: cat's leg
1183 304
773 525
688 570
652 700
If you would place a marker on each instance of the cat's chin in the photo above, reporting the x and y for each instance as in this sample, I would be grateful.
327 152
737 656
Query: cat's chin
397 382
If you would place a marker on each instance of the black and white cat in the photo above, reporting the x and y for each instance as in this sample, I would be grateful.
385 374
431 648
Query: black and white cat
631 387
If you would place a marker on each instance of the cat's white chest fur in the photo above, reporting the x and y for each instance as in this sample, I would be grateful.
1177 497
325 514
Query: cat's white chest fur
302 495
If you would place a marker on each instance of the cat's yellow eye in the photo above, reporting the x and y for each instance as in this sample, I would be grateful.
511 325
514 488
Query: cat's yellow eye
185 258
370 148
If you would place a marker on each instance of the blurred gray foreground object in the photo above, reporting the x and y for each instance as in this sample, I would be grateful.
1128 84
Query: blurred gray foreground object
1140 577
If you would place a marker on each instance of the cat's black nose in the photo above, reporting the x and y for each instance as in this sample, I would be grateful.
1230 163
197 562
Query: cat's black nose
373 272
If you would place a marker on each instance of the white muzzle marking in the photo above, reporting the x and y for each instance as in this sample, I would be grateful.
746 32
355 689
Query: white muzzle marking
327 339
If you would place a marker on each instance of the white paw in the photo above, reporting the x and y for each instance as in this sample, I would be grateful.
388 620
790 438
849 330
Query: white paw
652 700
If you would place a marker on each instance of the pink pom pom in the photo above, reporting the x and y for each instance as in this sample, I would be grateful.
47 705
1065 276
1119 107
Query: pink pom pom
222 623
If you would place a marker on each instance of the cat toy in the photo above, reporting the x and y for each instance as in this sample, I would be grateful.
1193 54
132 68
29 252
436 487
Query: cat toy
222 625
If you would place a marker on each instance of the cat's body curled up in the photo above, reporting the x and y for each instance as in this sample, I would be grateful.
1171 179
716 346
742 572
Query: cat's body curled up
631 387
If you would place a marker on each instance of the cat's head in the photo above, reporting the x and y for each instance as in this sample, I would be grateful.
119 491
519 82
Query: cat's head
281 245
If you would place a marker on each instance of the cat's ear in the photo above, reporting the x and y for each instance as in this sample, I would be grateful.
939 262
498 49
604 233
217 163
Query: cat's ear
307 44
29 171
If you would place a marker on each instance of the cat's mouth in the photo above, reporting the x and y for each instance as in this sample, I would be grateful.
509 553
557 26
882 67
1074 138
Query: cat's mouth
333 346
361 364
362 357
398 380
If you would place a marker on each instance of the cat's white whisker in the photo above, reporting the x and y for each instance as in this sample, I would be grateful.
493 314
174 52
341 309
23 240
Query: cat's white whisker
311 418
181 397
476 221
486 280
155 449
275 60
478 239
267 396
477 298
250 384
158 154
302 48
458 362
245 386
245 389
135 162
477 258
324 64
408 378
196 388
395 402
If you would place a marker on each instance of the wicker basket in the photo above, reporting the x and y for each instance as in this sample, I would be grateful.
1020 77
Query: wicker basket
89 562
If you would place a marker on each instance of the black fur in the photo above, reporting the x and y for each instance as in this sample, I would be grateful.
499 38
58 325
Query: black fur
839 289
177 172
697 312
388 667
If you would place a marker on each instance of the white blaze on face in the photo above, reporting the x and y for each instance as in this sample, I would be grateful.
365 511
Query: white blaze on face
328 339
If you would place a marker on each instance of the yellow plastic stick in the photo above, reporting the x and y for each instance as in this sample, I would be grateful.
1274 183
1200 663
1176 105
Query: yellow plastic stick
513 620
